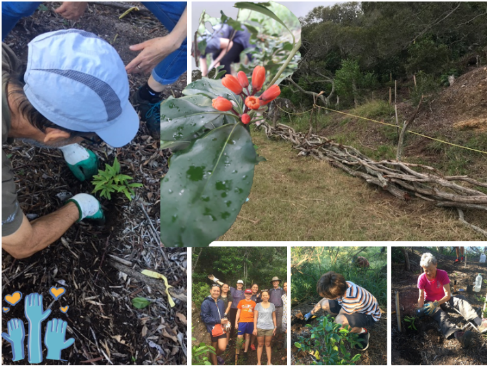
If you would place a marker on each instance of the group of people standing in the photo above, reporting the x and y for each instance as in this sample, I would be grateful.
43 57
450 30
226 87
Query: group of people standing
253 314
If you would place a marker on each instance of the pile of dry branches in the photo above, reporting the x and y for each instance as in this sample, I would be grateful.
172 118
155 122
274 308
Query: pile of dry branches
403 180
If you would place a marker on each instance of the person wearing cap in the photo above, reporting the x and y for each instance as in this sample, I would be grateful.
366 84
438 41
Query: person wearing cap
225 44
163 57
245 322
275 294
74 88
237 295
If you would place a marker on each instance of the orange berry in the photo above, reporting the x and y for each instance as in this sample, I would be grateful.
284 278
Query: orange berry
245 119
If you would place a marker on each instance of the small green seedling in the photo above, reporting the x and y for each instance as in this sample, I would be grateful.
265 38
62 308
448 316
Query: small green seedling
410 320
110 180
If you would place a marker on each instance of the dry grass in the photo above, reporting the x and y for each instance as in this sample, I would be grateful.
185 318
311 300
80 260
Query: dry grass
300 199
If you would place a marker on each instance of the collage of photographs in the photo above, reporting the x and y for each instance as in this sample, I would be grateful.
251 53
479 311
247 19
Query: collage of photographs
337 312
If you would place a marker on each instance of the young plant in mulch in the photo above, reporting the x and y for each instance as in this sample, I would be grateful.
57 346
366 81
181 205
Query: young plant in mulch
327 343
410 320
200 353
211 169
110 181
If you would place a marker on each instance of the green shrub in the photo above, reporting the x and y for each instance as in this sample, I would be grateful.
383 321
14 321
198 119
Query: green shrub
200 291
374 109
110 180
200 354
327 343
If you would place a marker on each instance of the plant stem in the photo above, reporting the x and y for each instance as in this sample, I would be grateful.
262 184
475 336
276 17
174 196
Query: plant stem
286 63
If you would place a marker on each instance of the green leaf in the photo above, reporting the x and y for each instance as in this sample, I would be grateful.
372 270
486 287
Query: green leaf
210 88
135 185
116 166
298 345
140 302
206 186
355 358
183 118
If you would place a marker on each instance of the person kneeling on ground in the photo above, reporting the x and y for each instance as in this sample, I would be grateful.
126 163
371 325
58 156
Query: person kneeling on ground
212 309
351 304
434 289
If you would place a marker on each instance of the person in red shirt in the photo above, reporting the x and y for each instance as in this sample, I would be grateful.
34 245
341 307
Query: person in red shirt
245 321
434 290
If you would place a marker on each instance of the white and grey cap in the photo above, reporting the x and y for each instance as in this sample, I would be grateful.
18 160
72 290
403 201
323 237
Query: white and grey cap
78 81
240 281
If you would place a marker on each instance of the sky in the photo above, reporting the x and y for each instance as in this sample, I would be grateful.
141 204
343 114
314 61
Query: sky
299 8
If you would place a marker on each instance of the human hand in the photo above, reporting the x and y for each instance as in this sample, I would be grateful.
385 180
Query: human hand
16 336
431 307
54 338
71 10
81 161
254 332
88 206
36 315
274 332
224 321
153 51
307 316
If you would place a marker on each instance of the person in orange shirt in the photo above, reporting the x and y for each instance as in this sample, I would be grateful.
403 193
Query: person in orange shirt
245 321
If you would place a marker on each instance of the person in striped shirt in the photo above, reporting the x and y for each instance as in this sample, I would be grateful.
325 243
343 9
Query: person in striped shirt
351 305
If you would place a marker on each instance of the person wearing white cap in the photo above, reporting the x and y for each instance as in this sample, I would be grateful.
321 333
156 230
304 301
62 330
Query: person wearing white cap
75 88
163 57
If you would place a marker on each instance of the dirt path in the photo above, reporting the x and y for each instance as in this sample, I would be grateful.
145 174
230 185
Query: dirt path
299 198
427 345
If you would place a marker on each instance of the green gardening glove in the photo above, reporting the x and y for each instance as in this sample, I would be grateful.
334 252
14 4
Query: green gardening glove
88 207
82 162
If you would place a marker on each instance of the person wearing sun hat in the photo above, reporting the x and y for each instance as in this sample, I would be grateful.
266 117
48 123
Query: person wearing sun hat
74 88
275 297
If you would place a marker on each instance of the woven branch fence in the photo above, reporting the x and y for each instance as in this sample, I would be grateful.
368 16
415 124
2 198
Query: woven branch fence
402 180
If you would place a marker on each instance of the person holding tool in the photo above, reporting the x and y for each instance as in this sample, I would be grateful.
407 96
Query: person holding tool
352 305
225 44
88 101
434 290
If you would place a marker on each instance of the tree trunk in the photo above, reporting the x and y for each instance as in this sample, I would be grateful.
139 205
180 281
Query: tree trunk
407 265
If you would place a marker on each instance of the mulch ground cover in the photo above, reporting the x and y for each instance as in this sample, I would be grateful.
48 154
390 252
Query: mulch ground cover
427 346
99 266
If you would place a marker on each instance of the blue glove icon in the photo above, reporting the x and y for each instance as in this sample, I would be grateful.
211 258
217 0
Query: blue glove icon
35 314
15 336
307 316
54 339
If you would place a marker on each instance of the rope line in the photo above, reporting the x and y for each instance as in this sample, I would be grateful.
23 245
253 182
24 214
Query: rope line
387 124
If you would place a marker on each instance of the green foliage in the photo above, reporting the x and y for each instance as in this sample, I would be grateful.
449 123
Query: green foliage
411 320
327 343
427 86
425 55
230 264
200 353
140 302
348 75
338 259
374 109
110 180
200 291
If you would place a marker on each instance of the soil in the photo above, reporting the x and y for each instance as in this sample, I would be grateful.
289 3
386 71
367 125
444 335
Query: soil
427 346
376 354
456 114
201 335
107 328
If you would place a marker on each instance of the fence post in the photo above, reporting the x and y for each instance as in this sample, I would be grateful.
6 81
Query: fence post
398 312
